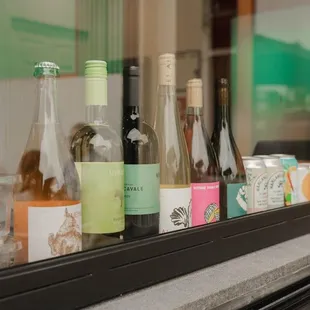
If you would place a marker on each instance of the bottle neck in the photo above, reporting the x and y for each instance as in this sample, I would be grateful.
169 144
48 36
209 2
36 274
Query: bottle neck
46 101
194 117
96 100
131 105
167 101
96 114
132 110
197 111
223 107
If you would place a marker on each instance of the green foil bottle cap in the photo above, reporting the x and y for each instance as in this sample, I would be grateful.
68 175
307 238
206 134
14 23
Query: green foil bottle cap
96 68
45 68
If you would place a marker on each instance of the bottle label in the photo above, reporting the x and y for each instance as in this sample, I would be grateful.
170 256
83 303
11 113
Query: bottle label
256 189
303 176
141 189
275 189
102 187
290 180
205 203
53 231
175 208
236 200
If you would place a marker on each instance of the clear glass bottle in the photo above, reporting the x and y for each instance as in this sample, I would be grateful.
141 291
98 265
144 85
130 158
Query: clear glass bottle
98 153
203 161
175 191
141 163
233 200
47 209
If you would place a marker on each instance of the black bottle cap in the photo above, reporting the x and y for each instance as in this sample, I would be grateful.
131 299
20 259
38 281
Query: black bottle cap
131 86
130 71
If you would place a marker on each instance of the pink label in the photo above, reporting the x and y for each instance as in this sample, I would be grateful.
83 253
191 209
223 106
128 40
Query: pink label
205 203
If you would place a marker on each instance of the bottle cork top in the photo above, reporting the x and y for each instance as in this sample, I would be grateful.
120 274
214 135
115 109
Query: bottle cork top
194 93
166 69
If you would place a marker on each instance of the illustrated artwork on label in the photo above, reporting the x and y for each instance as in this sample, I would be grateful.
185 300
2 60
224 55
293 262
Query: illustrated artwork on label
242 198
181 216
212 213
205 203
236 200
175 209
275 189
68 239
54 231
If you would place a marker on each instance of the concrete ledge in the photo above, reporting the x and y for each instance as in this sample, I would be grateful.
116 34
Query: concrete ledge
229 285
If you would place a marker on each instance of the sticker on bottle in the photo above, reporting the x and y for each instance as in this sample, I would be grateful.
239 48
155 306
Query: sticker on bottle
102 193
205 203
236 200
141 189
54 231
175 208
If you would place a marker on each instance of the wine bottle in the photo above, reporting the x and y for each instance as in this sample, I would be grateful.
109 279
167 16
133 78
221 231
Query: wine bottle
98 152
233 201
47 208
175 191
141 160
205 184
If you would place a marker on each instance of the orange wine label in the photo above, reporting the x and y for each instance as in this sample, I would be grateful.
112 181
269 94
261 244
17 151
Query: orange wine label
47 229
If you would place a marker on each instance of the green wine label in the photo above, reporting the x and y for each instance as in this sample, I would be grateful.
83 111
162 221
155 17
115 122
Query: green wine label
236 200
102 197
141 189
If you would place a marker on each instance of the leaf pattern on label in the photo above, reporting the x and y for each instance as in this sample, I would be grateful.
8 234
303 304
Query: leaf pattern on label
242 197
180 216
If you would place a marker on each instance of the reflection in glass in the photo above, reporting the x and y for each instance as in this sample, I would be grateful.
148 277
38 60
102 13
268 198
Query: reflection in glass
266 58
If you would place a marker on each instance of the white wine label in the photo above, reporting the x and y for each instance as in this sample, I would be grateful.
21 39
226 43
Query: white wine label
175 209
54 231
